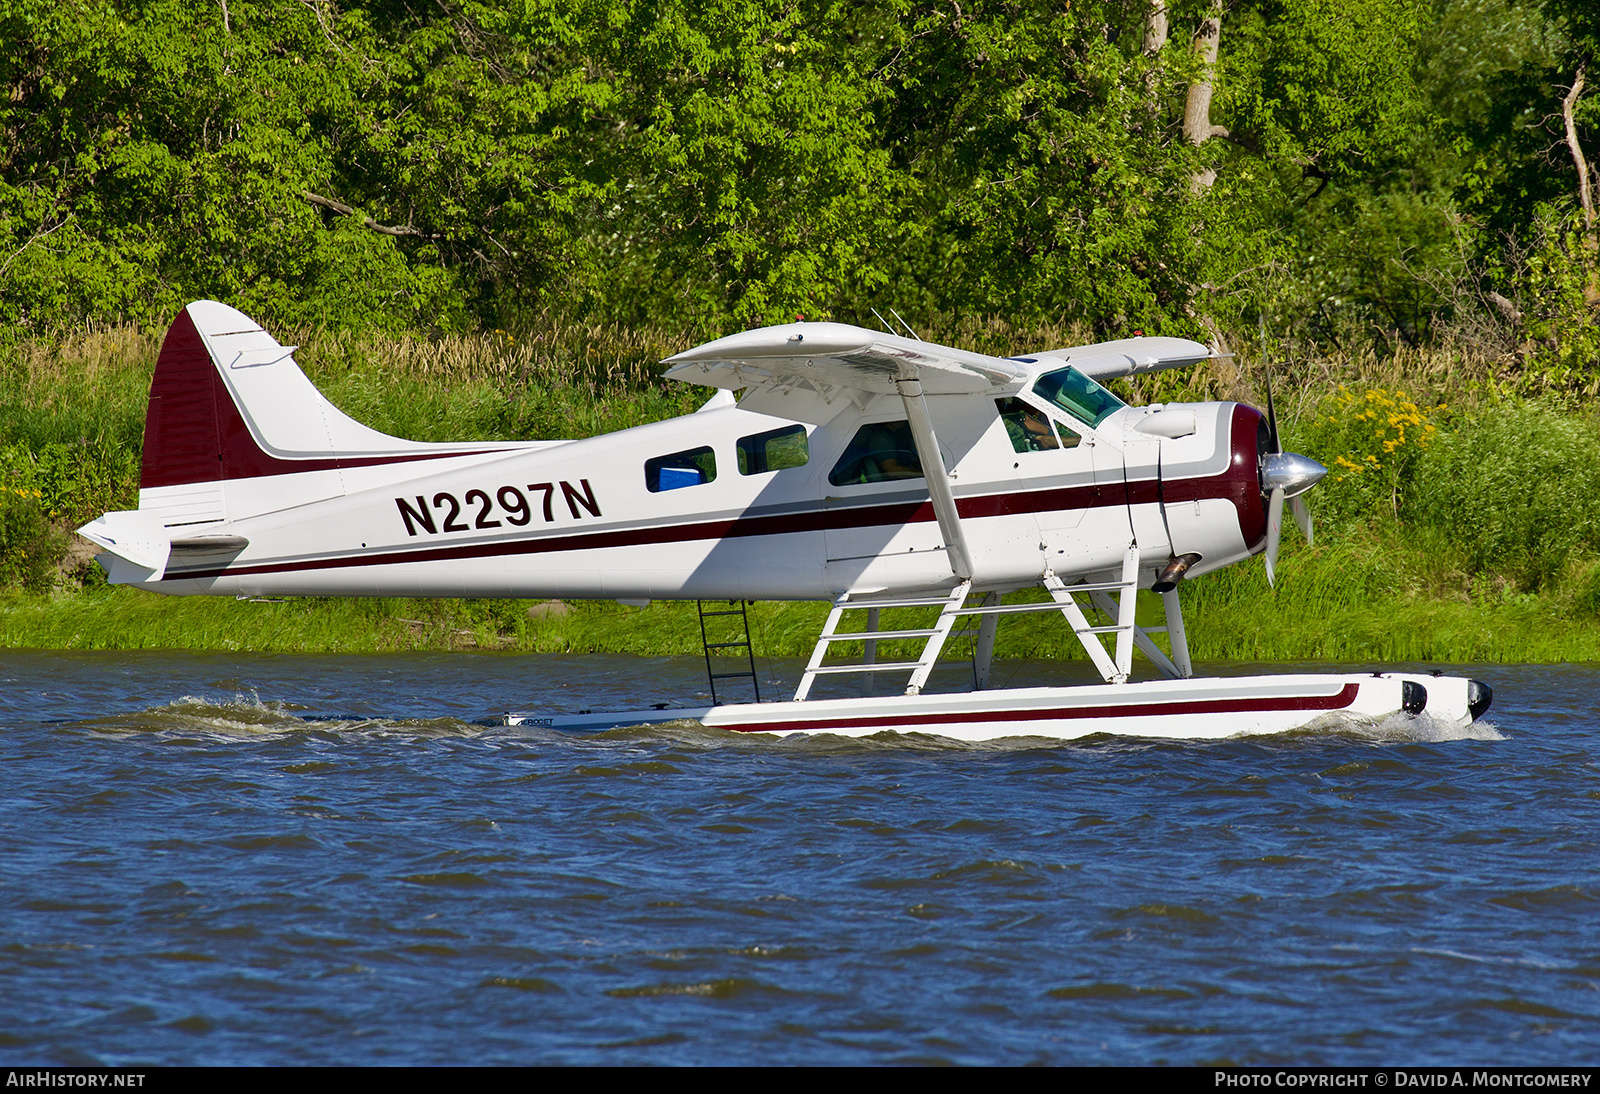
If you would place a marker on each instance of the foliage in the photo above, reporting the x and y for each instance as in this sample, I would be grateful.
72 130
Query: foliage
1325 85
165 152
69 482
29 545
1557 285
1041 138
1516 487
365 165
750 184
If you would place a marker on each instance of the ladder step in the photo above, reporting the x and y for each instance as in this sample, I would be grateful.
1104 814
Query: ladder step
1007 609
918 602
736 609
993 609
875 636
948 606
876 666
1096 587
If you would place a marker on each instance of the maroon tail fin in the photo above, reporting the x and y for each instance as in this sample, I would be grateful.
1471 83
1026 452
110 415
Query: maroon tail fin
195 428
182 438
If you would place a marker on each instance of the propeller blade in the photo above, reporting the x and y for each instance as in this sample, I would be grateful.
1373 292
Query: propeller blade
1272 414
1274 531
1302 516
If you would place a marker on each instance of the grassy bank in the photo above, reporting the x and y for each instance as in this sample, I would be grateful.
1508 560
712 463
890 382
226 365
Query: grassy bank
1309 617
1459 523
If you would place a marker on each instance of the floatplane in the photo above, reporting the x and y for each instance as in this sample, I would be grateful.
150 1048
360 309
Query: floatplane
869 469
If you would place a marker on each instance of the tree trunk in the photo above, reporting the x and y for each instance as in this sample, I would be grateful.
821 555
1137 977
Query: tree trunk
1585 189
1155 40
1197 127
1155 27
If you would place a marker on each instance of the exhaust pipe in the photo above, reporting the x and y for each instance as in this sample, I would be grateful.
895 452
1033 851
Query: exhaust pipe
1177 566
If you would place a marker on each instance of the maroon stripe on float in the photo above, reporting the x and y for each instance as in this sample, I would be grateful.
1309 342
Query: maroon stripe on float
194 433
1338 701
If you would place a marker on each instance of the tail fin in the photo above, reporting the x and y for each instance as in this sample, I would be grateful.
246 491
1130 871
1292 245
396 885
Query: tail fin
228 402
230 414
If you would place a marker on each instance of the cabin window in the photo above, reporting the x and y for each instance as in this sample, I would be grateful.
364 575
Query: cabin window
681 469
879 452
773 451
1030 428
1078 395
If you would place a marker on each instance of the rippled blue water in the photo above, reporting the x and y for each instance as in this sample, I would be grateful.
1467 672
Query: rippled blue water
192 872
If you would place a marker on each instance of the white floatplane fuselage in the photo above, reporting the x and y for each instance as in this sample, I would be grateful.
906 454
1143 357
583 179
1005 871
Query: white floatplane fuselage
860 468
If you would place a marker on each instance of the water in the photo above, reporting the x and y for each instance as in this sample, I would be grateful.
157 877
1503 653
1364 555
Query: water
283 860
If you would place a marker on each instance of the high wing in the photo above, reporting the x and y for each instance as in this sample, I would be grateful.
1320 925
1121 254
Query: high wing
1130 356
834 357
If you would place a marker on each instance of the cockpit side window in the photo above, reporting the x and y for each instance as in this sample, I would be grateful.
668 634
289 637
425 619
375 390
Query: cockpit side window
879 452
1030 429
773 451
1078 395
681 469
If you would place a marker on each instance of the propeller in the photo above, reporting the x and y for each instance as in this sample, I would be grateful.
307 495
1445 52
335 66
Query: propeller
1287 476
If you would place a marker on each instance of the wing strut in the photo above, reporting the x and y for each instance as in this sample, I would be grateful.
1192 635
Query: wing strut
938 479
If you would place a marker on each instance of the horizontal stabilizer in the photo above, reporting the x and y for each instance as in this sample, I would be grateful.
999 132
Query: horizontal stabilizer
137 536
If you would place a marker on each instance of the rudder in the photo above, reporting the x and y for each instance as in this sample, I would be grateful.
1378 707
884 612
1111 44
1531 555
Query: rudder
182 443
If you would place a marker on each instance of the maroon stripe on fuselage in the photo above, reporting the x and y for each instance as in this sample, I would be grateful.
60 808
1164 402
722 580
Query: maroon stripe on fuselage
1338 701
194 433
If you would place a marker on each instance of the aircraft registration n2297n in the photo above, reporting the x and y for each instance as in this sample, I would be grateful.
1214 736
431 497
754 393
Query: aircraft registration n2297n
872 470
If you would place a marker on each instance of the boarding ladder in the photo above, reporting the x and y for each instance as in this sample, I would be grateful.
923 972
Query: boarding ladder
1114 600
735 642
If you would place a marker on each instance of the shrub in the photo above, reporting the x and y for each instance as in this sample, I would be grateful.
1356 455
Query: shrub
1372 442
29 546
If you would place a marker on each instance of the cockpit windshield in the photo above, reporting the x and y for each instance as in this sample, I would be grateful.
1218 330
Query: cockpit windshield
1078 395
